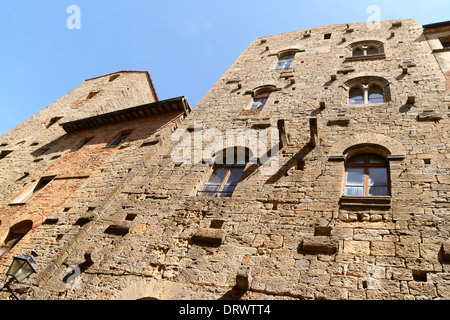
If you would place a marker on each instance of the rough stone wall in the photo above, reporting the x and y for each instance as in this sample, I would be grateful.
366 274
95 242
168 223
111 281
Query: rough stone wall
290 234
33 140
84 179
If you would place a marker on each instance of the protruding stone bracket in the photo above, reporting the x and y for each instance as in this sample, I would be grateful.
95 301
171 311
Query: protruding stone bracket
209 237
319 245
120 229
445 250
244 277
429 116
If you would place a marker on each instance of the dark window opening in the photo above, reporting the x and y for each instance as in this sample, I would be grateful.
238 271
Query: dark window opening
92 94
82 144
376 94
3 154
53 121
356 96
16 233
33 191
114 77
327 36
119 140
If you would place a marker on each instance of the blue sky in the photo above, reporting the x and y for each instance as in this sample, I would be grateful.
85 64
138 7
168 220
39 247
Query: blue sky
186 45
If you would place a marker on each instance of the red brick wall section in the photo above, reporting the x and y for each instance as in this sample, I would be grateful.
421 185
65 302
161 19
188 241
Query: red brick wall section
447 76
73 169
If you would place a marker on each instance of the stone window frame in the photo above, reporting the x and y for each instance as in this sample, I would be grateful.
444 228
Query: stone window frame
32 191
229 159
364 46
82 144
260 97
366 175
120 139
361 143
366 202
288 53
16 233
366 83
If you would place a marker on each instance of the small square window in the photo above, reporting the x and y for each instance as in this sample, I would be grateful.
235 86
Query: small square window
327 36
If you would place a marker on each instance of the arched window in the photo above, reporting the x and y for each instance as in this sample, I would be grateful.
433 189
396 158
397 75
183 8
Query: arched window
356 96
367 175
367 48
285 58
225 174
284 62
260 100
368 90
16 233
358 52
261 96
372 50
376 94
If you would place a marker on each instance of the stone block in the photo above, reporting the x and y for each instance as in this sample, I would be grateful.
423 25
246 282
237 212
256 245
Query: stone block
244 277
209 236
382 248
446 251
320 245
357 247
119 229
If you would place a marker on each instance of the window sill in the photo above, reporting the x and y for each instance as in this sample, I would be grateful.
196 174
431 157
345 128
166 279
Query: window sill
381 202
441 50
368 57
250 113
368 104
17 204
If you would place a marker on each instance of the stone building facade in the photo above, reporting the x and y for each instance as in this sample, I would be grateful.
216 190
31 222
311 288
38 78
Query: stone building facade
317 167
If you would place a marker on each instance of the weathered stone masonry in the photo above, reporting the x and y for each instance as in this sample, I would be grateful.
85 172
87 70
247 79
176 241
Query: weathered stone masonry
138 229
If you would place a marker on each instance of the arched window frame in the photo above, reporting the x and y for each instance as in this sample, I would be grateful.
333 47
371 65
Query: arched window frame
285 59
260 97
367 85
361 50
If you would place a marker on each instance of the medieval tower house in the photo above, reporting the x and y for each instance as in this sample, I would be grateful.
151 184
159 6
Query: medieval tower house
317 167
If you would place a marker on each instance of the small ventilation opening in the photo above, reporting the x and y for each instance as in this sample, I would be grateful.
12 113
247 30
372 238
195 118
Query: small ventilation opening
216 224
131 216
419 276
52 121
327 36
321 231
114 77
92 94
4 154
